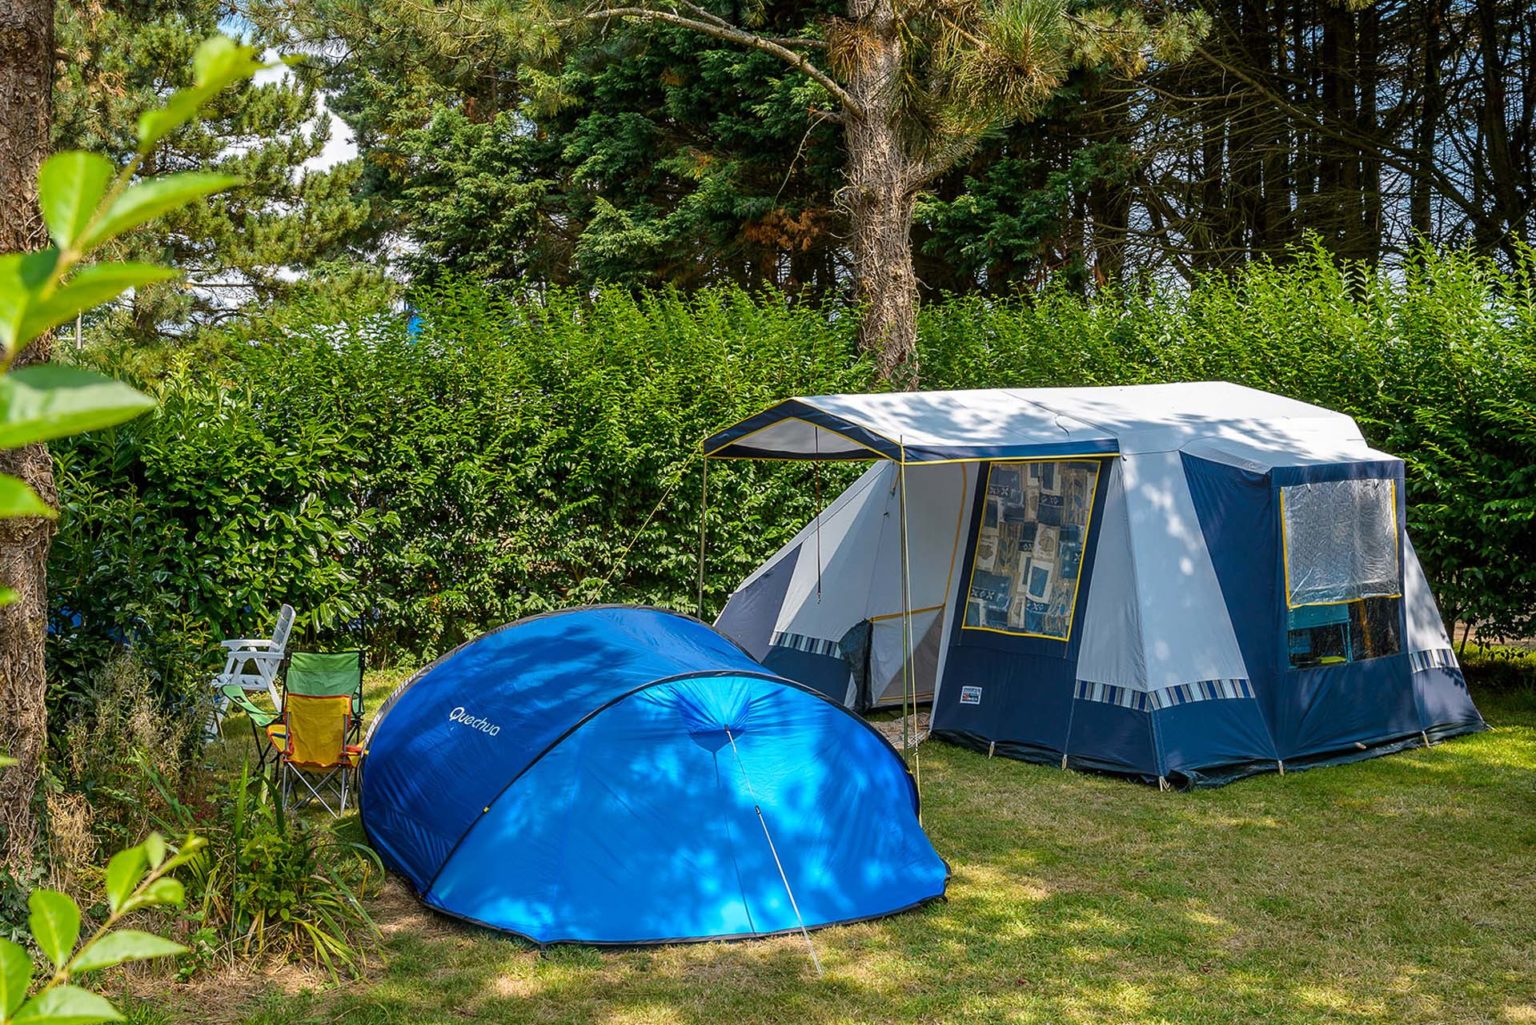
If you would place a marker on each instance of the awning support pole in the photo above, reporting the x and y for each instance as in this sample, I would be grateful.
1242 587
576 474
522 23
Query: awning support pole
777 863
909 674
816 477
703 508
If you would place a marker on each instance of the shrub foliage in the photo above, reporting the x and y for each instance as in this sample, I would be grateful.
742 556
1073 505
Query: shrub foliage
405 491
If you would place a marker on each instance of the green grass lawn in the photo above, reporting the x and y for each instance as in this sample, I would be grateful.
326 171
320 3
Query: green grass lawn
1401 889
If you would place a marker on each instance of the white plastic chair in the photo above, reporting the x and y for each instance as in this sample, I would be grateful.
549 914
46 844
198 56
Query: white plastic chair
252 663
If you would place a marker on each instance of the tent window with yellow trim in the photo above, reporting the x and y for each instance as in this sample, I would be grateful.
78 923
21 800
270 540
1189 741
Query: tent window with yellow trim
1340 541
1029 553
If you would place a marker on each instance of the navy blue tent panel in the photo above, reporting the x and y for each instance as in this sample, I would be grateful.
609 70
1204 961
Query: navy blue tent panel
594 776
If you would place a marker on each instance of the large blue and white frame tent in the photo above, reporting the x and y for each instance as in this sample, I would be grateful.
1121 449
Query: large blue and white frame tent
625 775
1179 583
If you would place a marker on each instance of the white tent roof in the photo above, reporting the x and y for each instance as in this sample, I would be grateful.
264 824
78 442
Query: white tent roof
1002 423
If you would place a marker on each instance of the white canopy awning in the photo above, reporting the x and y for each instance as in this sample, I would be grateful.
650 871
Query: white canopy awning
1007 423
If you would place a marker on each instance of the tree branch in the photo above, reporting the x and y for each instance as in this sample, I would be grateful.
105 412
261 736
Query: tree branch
703 14
1391 156
717 28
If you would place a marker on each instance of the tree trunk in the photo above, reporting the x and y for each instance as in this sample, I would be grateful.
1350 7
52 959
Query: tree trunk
879 197
1500 157
26 88
1367 123
1430 110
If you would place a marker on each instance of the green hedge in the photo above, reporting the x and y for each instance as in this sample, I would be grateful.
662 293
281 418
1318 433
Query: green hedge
405 493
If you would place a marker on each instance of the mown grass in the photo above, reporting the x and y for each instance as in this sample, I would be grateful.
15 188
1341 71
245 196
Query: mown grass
1401 889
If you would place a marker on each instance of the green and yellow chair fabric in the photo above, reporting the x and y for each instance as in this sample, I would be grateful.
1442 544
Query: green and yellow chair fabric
316 737
260 719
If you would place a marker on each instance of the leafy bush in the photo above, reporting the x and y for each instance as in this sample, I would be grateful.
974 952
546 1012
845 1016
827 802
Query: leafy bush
1438 368
1501 667
406 492
270 885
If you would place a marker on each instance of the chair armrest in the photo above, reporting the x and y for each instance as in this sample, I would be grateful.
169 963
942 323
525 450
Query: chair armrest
255 656
247 642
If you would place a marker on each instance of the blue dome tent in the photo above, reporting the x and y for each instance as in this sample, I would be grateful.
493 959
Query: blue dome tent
626 775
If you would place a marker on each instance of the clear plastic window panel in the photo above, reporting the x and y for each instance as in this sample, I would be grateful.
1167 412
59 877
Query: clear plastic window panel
1340 541
1324 635
1029 550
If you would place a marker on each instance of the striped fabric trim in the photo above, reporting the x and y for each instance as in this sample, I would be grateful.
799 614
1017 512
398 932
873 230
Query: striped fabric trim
1434 658
802 642
1164 697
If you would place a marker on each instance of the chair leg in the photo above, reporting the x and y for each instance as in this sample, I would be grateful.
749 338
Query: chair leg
263 747
318 788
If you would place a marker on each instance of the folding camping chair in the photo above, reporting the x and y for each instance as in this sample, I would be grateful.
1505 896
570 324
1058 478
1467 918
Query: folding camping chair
316 737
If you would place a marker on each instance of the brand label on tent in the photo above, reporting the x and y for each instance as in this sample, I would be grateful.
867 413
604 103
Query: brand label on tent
463 718
970 695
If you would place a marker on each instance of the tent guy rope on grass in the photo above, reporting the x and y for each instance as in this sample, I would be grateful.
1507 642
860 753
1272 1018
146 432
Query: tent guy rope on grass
790 893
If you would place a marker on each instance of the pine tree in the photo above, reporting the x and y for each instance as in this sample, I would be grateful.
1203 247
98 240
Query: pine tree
287 229
912 86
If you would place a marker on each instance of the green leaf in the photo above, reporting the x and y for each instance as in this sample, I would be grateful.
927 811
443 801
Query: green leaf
70 187
189 850
8 595
125 945
6 760
154 849
67 1005
156 196
123 874
50 400
22 276
219 61
165 890
55 923
159 122
15 977
90 287
18 499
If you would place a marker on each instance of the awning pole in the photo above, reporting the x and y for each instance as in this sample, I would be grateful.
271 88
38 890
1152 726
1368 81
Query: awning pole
909 673
816 477
703 508
777 863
